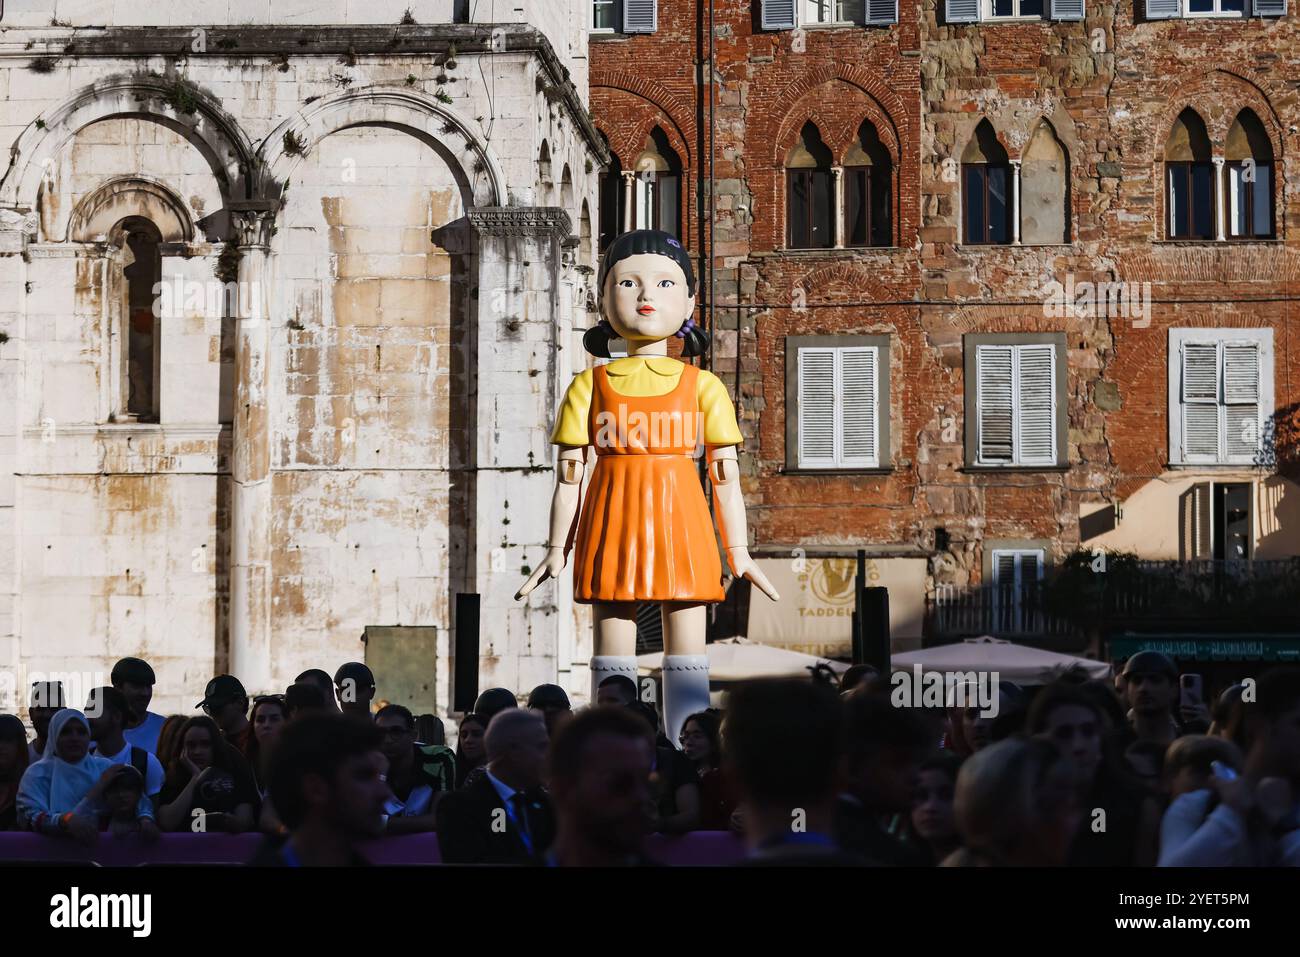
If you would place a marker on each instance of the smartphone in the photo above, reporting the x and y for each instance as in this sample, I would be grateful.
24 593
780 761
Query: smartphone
1222 771
1191 691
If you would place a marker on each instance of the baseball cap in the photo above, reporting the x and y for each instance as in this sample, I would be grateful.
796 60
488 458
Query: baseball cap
221 689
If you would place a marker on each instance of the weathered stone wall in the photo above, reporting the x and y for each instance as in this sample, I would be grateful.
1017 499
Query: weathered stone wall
400 393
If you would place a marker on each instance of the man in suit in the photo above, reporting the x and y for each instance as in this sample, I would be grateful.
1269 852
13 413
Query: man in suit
504 817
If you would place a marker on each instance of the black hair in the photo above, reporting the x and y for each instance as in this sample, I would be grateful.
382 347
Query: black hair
317 677
1061 694
872 724
110 699
1277 693
301 695
47 694
695 341
11 729
622 682
401 711
711 725
315 744
132 670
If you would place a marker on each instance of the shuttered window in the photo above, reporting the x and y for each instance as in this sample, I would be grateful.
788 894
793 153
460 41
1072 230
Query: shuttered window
838 394
1016 574
1220 408
640 16
1170 9
1016 401
973 11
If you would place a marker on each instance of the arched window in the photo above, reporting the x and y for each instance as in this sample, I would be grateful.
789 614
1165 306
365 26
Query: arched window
140 342
867 191
810 218
986 189
1249 156
610 213
1044 189
1189 179
658 188
584 234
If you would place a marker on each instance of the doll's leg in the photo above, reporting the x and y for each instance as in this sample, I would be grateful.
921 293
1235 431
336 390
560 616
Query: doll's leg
686 666
615 648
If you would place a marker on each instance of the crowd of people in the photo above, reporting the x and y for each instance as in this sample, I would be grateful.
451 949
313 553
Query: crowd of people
815 771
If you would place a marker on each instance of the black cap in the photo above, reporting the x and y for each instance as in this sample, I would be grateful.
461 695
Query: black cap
221 689
134 670
47 694
1151 663
548 696
362 676
494 700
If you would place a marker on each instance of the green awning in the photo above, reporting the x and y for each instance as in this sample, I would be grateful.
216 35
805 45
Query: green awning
1203 647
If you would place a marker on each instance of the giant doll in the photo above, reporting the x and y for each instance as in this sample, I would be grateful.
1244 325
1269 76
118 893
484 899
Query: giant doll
643 532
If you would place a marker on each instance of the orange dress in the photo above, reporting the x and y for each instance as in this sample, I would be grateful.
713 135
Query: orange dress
645 533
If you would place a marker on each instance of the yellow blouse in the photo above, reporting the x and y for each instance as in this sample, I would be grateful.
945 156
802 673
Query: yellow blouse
647 375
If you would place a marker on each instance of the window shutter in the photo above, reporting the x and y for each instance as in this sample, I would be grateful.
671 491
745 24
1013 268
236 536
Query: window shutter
778 15
1004 568
993 399
1241 396
881 12
1067 9
816 407
1200 401
1163 9
961 11
640 16
858 413
1269 8
1037 388
1199 527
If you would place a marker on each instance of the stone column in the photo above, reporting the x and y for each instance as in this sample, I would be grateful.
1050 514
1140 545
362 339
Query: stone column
523 320
15 226
1015 202
837 202
629 199
250 460
1217 197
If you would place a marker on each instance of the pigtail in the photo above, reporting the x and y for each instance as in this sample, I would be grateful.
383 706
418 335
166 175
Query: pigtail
695 341
596 339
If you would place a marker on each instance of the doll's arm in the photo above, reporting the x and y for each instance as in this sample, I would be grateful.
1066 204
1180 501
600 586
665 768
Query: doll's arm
569 467
724 473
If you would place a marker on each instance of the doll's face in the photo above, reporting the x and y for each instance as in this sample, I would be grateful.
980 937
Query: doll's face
645 297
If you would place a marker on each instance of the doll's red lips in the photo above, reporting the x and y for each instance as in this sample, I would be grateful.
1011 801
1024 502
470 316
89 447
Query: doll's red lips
645 309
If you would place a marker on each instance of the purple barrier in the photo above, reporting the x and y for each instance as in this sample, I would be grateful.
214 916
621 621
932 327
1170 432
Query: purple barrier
698 849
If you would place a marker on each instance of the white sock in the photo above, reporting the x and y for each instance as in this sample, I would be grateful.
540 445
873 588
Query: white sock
686 691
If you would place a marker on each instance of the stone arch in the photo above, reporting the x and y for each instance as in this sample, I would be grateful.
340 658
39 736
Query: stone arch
477 166
127 196
676 110
1227 93
883 106
143 96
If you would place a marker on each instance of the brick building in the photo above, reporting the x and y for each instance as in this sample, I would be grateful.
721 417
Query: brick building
994 281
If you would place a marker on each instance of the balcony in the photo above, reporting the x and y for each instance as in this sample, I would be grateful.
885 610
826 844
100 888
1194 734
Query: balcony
1125 593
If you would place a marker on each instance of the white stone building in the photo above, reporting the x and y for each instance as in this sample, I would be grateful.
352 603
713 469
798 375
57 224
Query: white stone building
246 477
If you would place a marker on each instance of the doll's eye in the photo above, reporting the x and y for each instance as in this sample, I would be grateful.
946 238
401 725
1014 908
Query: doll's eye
626 282
665 283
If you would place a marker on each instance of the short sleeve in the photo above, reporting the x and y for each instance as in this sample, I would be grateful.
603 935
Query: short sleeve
720 426
571 421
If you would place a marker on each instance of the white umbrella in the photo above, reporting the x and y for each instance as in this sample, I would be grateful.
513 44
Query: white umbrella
736 659
1018 663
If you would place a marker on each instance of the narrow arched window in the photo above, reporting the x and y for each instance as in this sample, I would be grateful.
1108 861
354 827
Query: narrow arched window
1189 179
141 340
868 191
810 215
657 192
986 189
1249 156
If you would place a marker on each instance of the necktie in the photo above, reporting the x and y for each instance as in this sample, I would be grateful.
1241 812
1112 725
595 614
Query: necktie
520 803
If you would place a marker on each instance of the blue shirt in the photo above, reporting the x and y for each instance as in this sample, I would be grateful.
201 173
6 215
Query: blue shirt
146 734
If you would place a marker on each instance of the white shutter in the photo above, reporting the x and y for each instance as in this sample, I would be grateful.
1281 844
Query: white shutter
961 11
858 410
640 16
816 407
1163 9
778 15
1241 400
993 400
1269 8
1067 9
1037 412
1200 402
880 12
1201 531
1004 568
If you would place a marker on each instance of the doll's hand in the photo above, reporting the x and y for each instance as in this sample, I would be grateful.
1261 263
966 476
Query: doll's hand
742 566
550 567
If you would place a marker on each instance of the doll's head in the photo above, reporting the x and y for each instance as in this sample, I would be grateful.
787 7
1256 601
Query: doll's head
646 291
